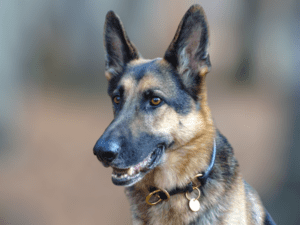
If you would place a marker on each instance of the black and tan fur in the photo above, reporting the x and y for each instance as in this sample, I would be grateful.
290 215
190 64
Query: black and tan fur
181 126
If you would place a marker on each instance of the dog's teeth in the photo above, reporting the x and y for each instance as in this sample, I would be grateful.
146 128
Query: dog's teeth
145 162
130 171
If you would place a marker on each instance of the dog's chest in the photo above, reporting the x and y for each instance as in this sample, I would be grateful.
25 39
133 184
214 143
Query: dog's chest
173 211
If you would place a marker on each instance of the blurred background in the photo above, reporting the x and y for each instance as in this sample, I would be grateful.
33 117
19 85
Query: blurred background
54 107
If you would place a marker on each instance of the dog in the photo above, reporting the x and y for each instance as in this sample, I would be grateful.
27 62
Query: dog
162 144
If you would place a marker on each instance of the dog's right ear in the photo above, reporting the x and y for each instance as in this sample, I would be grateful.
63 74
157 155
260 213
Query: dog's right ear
119 49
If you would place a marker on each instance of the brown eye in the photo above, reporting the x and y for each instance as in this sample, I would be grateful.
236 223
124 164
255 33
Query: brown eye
155 101
117 99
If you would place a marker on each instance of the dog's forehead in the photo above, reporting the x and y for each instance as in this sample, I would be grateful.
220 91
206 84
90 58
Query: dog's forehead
138 68
146 74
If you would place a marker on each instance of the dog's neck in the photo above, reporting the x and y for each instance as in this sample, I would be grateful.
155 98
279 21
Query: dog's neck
224 175
199 180
170 177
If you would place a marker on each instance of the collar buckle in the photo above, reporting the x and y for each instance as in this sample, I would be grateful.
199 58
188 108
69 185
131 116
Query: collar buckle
156 192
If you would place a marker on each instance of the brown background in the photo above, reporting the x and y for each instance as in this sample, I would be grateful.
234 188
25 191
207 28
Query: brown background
54 104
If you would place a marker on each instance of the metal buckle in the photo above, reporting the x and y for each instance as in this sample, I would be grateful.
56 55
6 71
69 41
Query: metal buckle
159 200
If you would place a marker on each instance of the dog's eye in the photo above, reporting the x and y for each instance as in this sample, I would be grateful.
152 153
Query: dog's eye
155 101
117 99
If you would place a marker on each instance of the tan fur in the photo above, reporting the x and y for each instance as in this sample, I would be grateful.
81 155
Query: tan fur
148 81
128 83
204 70
255 209
237 213
138 61
108 75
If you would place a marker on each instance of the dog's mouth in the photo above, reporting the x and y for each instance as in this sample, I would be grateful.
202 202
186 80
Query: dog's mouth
133 174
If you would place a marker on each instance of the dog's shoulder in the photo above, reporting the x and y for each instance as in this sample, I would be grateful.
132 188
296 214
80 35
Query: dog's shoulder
255 209
256 213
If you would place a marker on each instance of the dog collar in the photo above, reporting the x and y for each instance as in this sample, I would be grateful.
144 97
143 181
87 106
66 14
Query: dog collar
163 194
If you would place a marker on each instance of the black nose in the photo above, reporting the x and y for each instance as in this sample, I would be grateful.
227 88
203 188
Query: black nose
106 151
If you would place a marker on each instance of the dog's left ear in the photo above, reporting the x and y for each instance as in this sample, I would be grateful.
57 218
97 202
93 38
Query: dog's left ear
119 49
188 52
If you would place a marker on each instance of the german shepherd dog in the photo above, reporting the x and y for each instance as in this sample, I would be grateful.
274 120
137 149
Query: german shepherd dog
162 144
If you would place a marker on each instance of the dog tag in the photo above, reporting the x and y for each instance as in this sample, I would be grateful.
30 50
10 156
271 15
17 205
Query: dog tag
194 205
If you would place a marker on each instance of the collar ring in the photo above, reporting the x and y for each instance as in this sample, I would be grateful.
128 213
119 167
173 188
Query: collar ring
199 193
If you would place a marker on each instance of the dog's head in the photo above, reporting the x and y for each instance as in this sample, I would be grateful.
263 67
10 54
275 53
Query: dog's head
159 105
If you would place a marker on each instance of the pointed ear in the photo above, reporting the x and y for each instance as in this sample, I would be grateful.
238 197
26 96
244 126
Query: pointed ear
188 51
119 49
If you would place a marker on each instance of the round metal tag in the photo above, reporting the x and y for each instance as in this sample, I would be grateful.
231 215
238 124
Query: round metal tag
194 205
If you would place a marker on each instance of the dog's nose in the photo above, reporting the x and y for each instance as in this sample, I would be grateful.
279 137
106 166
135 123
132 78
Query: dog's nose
106 151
